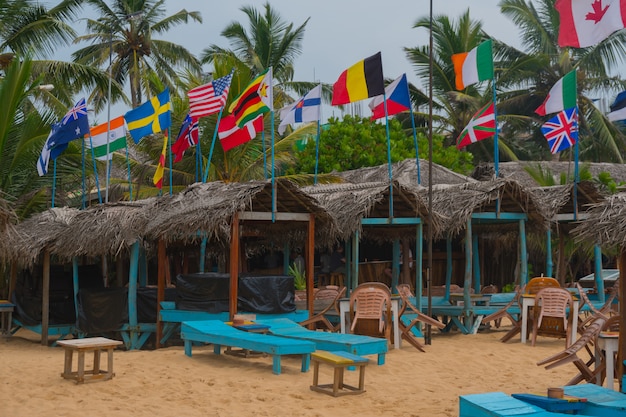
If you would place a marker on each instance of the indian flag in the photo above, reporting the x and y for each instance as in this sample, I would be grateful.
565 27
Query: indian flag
473 66
561 96
117 137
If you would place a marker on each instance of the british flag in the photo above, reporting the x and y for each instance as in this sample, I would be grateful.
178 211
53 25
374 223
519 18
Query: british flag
562 130
79 110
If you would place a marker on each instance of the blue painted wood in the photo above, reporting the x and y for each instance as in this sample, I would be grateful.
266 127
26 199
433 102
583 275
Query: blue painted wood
549 262
75 285
598 272
448 267
419 263
499 216
132 294
476 264
395 264
558 405
601 402
220 334
61 330
373 221
523 252
353 343
498 404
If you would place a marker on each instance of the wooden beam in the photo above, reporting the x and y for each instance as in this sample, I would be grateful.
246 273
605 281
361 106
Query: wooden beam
234 265
161 265
45 298
267 216
309 247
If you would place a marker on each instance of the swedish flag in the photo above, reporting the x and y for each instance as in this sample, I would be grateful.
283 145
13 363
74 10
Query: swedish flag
153 116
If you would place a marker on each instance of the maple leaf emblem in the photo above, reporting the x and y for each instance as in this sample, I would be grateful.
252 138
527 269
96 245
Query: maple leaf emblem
598 11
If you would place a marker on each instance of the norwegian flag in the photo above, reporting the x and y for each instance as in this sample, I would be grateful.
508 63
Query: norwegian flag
187 137
209 98
561 131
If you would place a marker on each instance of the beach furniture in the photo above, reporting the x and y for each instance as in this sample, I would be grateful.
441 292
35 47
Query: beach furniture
512 311
96 345
352 343
570 355
604 309
370 310
602 402
409 317
339 361
538 283
499 404
221 334
319 320
549 316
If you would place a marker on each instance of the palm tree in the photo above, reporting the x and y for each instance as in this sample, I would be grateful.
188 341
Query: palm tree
125 30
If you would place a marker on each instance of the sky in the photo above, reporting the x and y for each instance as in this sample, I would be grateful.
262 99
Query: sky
339 33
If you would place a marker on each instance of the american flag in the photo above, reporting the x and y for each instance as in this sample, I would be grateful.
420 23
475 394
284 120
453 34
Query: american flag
562 130
79 110
209 98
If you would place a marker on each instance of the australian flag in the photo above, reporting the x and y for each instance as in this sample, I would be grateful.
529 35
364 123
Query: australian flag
561 131
74 125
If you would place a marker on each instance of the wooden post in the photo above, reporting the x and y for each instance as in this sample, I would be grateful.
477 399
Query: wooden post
133 280
309 248
161 264
45 298
13 279
234 266
621 352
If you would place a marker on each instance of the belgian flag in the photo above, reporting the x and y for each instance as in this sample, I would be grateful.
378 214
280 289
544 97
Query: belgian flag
362 80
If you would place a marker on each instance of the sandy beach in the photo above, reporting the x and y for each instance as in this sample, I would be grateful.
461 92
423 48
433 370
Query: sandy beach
165 382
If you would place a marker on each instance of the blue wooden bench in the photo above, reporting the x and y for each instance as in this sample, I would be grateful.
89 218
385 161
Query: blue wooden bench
352 343
600 401
221 334
499 404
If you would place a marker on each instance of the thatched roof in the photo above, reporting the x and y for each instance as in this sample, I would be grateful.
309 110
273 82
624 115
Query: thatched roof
559 199
516 171
38 233
105 229
457 203
7 228
349 203
605 223
208 209
404 172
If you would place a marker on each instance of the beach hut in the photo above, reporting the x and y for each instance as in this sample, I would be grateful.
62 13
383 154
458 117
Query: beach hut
223 214
30 248
605 225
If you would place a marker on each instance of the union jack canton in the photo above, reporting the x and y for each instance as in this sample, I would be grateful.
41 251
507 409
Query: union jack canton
561 131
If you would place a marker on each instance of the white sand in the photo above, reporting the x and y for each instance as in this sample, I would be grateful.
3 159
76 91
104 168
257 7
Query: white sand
165 382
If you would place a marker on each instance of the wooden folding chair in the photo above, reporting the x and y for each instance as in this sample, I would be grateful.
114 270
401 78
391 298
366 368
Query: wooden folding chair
319 320
606 310
413 316
505 313
570 355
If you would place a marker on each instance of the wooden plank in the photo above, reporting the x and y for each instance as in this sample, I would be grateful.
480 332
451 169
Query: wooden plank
267 216
45 298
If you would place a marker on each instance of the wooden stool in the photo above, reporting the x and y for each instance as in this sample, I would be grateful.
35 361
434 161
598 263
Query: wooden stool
322 279
336 278
90 344
339 361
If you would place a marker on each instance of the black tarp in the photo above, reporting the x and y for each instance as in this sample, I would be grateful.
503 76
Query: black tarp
272 294
206 291
102 310
147 303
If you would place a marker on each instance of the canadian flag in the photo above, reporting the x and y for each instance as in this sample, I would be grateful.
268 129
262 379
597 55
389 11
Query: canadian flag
587 22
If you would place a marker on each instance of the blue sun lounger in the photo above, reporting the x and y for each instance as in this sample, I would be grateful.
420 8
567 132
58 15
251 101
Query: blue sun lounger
600 401
221 334
499 404
351 343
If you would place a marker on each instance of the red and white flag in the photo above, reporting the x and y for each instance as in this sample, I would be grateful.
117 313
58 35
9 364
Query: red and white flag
209 98
481 126
587 22
232 136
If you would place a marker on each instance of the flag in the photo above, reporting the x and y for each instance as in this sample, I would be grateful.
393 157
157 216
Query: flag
587 22
473 66
157 180
231 135
481 126
256 99
74 125
307 109
398 99
561 131
117 138
561 96
618 108
362 80
153 116
187 137
209 98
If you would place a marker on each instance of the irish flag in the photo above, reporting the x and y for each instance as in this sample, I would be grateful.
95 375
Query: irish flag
473 66
561 96
117 138
482 126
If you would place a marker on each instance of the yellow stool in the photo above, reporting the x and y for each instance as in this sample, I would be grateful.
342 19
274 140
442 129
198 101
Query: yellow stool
336 278
339 361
